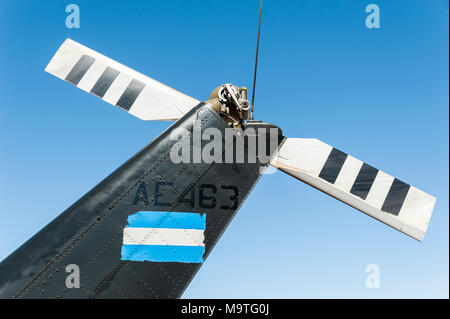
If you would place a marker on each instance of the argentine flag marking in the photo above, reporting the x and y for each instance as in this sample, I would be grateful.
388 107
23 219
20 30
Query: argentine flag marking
164 237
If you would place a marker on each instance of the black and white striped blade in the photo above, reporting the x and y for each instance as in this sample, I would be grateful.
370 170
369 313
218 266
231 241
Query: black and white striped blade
358 184
117 84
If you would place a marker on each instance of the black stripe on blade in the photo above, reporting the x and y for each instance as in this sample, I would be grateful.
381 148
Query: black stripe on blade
104 82
130 95
395 197
364 181
333 165
79 69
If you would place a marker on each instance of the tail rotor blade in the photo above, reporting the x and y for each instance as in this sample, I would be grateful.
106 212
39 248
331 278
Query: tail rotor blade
358 184
117 84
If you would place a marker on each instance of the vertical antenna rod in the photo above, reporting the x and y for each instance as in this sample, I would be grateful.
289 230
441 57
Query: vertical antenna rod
256 61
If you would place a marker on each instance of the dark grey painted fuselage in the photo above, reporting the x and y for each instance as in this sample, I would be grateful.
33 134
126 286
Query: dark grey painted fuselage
90 232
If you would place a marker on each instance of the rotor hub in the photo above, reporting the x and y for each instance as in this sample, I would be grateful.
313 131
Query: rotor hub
231 103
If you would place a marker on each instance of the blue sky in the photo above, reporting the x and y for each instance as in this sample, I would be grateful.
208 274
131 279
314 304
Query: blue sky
380 95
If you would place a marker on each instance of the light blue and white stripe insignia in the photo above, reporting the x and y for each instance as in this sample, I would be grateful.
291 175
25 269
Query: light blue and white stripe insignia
164 237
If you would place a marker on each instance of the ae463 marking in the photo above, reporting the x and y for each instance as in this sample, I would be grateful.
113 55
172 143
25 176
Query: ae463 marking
205 196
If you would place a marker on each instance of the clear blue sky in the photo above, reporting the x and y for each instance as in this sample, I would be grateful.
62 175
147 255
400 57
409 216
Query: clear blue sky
380 95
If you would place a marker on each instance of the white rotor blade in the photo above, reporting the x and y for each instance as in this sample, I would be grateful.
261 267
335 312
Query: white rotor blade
357 184
117 84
